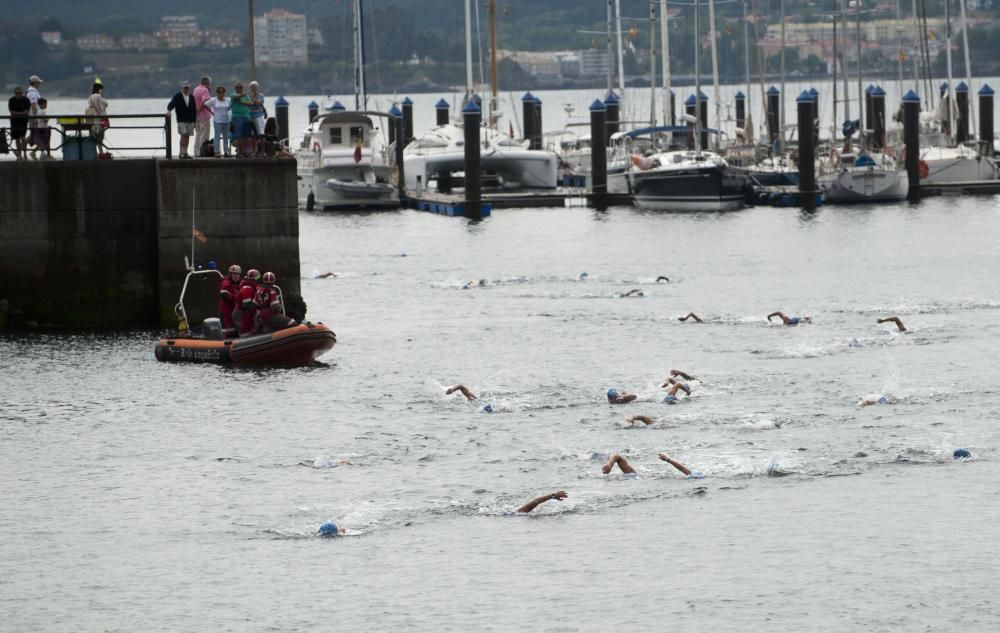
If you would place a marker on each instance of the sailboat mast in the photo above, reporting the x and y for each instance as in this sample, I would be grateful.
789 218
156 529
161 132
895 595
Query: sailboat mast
493 63
360 93
746 51
668 107
715 68
781 109
468 51
861 92
697 81
951 82
652 63
835 119
621 59
843 65
968 69
899 46
610 65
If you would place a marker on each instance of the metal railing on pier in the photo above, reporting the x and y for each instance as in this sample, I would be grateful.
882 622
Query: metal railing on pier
80 131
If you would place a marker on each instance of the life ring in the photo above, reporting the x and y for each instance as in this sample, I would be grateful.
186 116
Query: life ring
924 169
317 147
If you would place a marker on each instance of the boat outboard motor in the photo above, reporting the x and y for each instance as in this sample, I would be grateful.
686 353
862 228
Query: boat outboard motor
212 328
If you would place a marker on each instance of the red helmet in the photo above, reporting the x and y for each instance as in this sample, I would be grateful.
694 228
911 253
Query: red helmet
235 269
253 274
269 278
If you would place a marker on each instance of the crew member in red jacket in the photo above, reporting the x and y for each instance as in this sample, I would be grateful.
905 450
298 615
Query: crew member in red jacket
228 289
268 301
246 310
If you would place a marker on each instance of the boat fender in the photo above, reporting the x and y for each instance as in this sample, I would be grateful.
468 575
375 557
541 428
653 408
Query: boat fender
317 147
641 162
310 201
924 169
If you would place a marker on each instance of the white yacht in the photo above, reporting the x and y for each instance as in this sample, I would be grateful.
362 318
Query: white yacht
439 155
343 164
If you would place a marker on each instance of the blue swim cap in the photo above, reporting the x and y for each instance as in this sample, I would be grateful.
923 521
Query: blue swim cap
583 275
328 529
488 408
212 265
482 281
882 400
961 453
612 394
670 399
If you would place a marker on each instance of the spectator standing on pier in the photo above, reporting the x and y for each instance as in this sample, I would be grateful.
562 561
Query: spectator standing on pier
222 114
184 108
240 102
19 107
258 115
33 95
43 133
203 118
97 106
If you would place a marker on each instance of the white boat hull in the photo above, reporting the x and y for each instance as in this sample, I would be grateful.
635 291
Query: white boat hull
327 189
441 153
865 184
942 171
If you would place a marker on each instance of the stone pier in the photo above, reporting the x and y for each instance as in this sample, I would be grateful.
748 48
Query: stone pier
101 244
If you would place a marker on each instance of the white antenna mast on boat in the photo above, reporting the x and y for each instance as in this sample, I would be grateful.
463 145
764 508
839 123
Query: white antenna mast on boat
668 107
194 229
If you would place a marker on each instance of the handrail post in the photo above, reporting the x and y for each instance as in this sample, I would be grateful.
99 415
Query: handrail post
169 136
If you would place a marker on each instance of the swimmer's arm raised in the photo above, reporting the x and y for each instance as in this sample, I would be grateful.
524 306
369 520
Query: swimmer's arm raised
641 418
559 495
894 319
465 391
682 374
676 464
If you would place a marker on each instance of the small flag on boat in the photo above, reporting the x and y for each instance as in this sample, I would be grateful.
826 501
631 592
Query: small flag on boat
198 235
357 153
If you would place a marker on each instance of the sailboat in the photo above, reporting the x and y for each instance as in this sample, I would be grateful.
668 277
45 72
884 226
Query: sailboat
687 180
862 176
343 161
438 156
943 161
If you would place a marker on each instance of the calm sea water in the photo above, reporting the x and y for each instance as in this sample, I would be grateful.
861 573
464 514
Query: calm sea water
141 495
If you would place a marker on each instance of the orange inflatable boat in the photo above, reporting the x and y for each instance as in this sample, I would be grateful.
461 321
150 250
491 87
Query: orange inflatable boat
292 347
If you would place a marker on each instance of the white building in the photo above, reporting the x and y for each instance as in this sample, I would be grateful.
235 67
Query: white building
594 62
179 31
281 38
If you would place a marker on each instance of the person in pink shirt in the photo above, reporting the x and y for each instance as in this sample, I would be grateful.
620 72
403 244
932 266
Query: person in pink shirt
203 120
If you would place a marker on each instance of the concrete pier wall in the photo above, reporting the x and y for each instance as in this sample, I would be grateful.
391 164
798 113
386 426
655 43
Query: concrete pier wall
101 244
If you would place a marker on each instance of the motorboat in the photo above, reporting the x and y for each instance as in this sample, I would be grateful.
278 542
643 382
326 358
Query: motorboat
439 156
208 342
687 180
343 164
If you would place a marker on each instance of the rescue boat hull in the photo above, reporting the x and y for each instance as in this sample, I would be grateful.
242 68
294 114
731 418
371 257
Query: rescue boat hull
292 347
